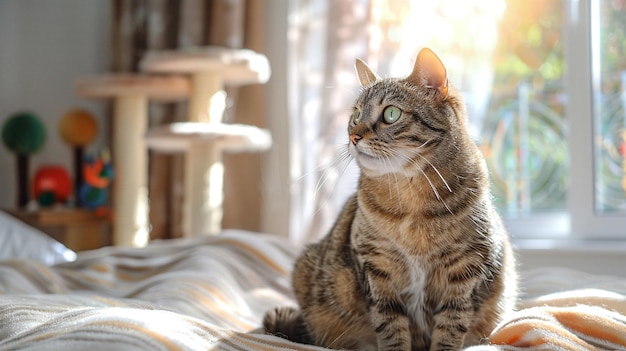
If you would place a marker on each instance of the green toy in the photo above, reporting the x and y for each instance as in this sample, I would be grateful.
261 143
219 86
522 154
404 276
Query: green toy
23 134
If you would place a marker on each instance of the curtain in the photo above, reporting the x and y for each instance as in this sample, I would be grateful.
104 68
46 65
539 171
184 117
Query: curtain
329 35
143 25
326 37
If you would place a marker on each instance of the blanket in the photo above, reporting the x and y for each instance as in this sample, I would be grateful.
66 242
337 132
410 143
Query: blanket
210 293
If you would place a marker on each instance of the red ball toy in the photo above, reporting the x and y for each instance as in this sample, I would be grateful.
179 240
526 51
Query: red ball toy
52 184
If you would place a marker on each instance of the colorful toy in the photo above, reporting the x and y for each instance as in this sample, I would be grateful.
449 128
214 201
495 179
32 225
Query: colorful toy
23 134
97 173
51 185
78 128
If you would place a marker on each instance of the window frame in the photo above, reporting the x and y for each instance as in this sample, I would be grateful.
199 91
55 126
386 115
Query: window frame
582 65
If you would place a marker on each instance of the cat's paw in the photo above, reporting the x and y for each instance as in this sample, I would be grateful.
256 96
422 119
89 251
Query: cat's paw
287 323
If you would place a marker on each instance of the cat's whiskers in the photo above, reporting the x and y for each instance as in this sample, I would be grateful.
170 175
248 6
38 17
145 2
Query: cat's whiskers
387 154
427 161
339 158
424 144
341 161
432 186
436 170
346 158
397 154
385 161
398 191
341 154
435 190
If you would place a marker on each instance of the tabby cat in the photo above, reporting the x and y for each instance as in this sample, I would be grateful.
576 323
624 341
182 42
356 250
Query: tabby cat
418 259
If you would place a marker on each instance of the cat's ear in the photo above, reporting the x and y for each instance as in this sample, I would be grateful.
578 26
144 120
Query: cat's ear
365 73
430 72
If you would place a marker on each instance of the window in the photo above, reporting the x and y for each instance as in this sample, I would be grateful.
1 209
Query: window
549 116
609 101
507 58
595 47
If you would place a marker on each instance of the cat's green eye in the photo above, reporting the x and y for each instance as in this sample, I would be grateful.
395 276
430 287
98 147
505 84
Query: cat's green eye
391 114
356 116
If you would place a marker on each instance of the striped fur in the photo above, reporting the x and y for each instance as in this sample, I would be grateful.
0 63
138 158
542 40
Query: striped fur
418 259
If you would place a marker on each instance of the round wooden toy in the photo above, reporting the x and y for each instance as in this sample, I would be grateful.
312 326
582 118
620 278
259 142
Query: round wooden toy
23 134
78 128
51 184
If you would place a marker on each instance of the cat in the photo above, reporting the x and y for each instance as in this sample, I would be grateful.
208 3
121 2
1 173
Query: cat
418 258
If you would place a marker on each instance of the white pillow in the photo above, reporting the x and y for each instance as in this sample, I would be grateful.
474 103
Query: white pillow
19 240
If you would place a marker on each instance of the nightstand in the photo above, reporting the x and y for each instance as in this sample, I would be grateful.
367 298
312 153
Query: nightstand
78 229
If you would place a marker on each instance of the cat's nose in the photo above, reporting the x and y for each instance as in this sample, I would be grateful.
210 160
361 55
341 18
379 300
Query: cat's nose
354 138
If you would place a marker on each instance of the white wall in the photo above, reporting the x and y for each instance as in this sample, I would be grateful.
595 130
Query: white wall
44 47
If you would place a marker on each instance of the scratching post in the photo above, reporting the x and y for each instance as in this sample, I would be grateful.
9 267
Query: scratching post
203 138
130 94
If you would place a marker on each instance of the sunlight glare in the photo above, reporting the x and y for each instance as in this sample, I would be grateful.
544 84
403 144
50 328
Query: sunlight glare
217 106
141 235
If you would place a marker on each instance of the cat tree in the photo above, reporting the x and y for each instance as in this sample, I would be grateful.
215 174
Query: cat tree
130 94
203 138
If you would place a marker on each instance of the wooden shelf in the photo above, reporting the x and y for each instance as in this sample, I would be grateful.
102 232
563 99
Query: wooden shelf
78 229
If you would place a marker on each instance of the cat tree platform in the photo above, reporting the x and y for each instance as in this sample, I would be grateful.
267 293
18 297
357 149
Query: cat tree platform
210 69
180 137
130 94
204 137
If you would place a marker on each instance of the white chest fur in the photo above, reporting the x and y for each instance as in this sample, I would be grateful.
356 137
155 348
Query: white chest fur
414 294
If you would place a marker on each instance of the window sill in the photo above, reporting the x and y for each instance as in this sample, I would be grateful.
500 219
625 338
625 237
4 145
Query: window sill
606 257
570 246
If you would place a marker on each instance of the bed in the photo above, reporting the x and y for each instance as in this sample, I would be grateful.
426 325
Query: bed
210 293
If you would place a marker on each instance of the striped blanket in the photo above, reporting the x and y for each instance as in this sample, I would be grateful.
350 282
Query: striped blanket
210 293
